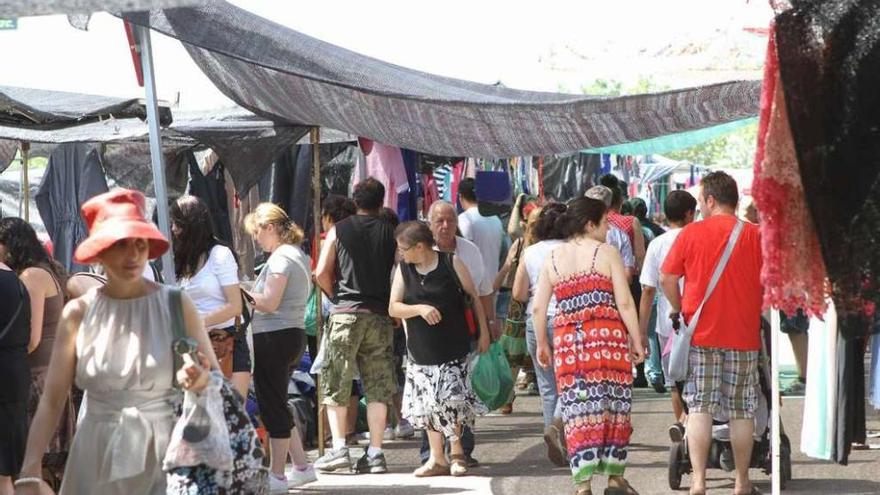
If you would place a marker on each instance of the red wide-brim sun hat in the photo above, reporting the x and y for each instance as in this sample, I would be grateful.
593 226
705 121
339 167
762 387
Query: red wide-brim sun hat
112 217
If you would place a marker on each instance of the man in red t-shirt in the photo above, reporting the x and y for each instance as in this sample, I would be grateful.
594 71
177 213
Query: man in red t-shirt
722 375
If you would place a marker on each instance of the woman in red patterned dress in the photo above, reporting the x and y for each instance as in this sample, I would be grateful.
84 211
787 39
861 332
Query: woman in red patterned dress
595 344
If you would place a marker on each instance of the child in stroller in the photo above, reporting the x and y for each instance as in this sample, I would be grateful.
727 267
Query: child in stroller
721 451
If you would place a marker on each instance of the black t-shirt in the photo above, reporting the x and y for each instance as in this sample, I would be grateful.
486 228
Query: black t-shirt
14 366
449 339
365 248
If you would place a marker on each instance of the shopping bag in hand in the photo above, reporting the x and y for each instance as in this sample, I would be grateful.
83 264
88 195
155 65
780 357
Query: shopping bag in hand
200 435
491 379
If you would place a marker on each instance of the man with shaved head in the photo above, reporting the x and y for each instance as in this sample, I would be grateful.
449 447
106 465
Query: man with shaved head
443 221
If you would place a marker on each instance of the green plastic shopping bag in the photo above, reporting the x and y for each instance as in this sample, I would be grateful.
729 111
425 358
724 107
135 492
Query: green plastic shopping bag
311 321
491 378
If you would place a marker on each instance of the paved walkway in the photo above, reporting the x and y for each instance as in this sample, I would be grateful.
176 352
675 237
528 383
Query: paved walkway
512 455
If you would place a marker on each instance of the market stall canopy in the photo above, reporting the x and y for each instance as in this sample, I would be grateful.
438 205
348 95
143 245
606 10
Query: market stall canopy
246 143
22 8
44 109
284 75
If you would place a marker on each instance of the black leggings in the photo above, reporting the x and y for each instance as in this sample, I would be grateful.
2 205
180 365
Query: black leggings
275 353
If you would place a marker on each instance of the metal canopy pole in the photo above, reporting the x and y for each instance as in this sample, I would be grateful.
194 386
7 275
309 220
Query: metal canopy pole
315 134
25 180
143 35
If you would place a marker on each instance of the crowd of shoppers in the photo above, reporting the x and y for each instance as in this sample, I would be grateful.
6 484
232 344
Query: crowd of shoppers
396 332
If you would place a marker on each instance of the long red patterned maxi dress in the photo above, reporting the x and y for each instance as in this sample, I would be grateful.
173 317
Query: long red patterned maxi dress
593 373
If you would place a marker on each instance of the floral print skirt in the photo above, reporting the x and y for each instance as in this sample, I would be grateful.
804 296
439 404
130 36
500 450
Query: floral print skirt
440 397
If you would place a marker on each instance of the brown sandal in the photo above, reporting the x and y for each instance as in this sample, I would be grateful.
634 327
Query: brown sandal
430 469
458 465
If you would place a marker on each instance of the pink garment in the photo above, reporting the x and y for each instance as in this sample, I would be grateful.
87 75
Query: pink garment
385 164
431 193
793 273
456 180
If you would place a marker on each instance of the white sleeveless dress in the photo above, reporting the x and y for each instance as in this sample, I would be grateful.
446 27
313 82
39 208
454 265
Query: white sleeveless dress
124 363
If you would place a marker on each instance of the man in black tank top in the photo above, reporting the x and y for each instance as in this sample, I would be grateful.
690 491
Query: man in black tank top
354 270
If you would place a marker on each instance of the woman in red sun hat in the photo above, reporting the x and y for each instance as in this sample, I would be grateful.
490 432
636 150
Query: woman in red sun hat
116 343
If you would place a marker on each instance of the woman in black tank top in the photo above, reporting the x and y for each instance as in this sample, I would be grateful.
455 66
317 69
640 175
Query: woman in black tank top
437 396
15 317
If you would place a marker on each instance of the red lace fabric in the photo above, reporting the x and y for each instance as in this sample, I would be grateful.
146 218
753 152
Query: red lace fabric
793 272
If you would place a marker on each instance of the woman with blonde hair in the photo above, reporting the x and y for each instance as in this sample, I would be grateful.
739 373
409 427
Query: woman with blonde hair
280 293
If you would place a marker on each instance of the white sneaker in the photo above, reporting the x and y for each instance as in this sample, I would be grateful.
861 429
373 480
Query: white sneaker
297 478
276 485
404 430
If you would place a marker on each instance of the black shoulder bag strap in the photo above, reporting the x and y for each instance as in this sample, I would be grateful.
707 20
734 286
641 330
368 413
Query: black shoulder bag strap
447 260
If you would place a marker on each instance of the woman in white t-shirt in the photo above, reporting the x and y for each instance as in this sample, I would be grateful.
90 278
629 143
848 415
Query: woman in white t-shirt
208 272
547 233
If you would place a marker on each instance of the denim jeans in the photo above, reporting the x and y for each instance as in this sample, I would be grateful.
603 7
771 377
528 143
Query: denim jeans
546 377
653 367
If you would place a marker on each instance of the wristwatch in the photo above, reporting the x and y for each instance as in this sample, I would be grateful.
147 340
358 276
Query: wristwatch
676 320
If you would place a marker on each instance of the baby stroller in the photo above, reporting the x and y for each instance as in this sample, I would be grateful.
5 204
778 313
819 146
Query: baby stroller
721 451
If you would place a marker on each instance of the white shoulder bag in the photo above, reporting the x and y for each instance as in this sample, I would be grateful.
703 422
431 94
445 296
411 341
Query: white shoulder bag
681 339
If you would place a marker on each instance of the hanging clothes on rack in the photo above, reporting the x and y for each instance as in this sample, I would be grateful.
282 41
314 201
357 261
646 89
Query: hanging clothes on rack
455 180
407 201
385 164
851 419
568 176
820 399
245 247
606 164
431 194
74 175
208 183
358 171
788 236
443 180
830 70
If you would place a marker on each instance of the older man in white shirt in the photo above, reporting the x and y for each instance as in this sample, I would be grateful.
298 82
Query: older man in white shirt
443 221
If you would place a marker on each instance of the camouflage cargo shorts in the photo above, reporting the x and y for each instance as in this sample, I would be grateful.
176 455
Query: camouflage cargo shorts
362 342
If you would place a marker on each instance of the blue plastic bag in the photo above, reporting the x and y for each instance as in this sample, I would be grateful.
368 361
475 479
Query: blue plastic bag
491 379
